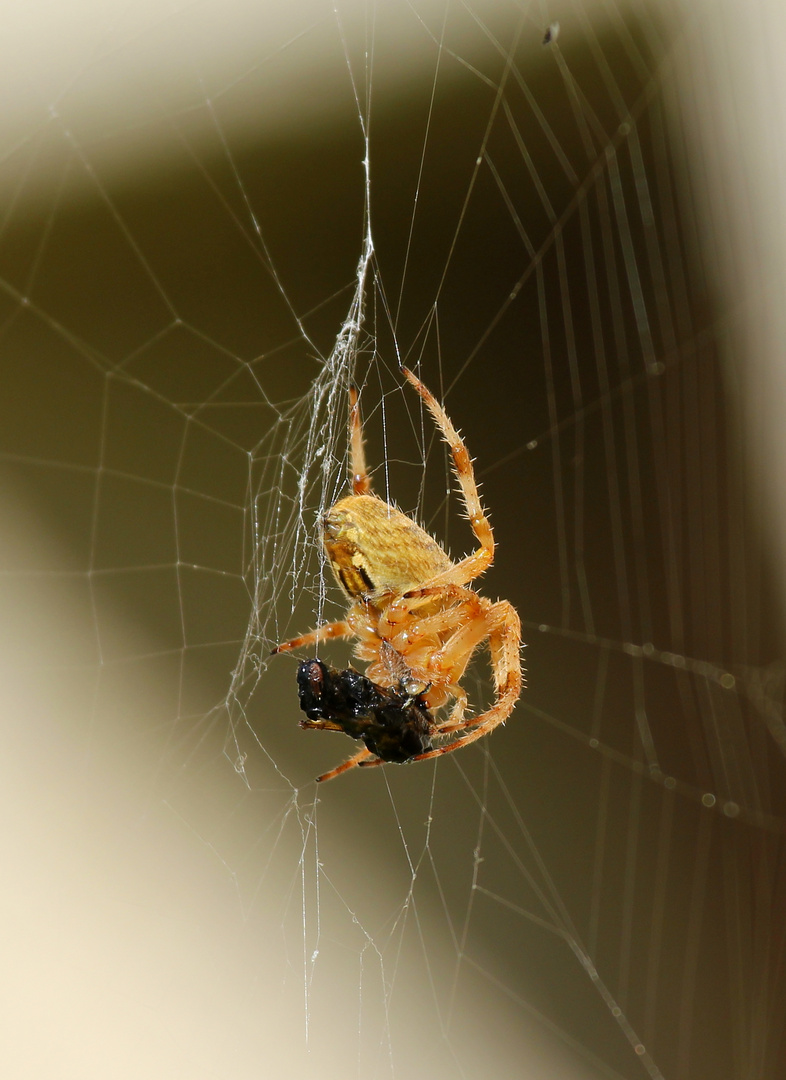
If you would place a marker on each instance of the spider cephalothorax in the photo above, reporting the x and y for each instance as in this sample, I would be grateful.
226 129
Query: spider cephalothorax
416 621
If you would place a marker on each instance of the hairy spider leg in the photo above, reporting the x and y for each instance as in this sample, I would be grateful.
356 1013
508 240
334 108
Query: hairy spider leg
472 566
504 643
504 646
322 633
357 759
361 481
455 653
443 665
482 621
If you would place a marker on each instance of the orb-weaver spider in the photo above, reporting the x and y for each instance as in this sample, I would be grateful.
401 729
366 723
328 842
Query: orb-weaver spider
416 621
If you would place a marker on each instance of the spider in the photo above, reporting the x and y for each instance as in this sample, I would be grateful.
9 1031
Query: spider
416 621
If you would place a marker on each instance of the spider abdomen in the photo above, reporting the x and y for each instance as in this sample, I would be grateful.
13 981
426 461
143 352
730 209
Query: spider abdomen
376 550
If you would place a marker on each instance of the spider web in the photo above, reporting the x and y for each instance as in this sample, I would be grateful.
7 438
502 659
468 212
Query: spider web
213 223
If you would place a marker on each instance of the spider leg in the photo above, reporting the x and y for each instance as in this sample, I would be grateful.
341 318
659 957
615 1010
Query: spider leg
370 764
458 607
456 744
361 481
451 660
357 759
399 610
456 720
504 643
471 566
322 633
438 647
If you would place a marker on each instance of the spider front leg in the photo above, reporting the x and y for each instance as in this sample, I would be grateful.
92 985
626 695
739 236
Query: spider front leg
438 645
323 633
467 569
504 636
